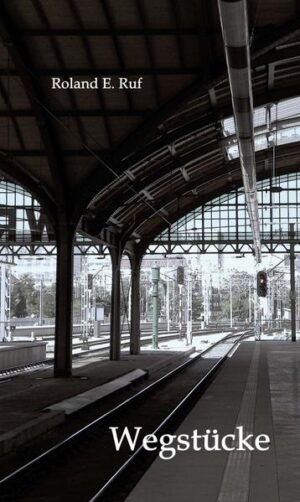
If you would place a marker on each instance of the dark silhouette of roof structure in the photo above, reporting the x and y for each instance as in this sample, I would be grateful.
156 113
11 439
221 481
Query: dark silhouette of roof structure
120 161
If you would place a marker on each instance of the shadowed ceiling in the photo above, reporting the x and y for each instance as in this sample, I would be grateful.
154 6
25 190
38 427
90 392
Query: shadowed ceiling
136 159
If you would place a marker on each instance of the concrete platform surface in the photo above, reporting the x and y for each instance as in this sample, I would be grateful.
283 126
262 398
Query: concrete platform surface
84 399
258 388
24 398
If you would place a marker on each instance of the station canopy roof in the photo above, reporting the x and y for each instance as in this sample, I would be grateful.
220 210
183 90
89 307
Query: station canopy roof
134 161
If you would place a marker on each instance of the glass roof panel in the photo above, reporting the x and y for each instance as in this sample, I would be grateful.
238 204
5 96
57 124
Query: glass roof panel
276 211
288 108
268 128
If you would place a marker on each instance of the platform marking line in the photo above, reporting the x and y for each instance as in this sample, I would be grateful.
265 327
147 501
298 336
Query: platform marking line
285 396
236 477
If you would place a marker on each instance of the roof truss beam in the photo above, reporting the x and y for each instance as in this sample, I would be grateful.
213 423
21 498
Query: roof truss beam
76 113
114 72
23 70
105 32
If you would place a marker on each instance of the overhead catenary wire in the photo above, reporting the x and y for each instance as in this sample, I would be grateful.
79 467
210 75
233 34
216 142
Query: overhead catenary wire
256 16
99 159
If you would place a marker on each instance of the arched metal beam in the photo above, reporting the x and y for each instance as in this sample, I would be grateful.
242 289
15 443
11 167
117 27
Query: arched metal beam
225 170
143 21
102 178
190 205
122 193
118 47
6 98
60 59
123 159
18 174
263 46
18 54
90 57
108 208
174 196
64 232
128 148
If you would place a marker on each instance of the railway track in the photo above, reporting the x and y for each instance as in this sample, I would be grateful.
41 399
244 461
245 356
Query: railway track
87 458
101 345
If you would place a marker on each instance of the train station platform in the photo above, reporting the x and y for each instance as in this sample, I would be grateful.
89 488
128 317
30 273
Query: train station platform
26 399
258 388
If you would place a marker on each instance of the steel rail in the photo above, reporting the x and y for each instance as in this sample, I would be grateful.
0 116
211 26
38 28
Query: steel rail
125 341
182 406
12 479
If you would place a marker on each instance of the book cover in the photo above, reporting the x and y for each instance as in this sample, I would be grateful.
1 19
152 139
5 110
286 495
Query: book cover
149 275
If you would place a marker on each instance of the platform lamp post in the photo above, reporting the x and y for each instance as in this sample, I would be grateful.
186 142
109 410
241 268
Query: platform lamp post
189 322
166 284
230 300
167 301
180 286
168 304
155 281
41 300
293 290
180 282
250 303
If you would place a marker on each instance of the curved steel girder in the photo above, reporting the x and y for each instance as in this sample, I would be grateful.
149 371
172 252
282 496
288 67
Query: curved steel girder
135 250
16 49
61 62
186 207
263 46
209 119
101 178
91 59
191 205
81 199
18 174
10 113
108 209
176 195
228 168
127 149
120 197
118 47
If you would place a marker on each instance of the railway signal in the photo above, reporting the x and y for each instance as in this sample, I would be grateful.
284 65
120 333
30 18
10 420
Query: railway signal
262 283
180 275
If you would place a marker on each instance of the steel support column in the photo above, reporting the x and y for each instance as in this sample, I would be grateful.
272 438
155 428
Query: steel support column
64 300
155 281
293 289
135 325
115 321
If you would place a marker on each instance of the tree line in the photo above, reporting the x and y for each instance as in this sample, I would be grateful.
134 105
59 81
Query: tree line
26 294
